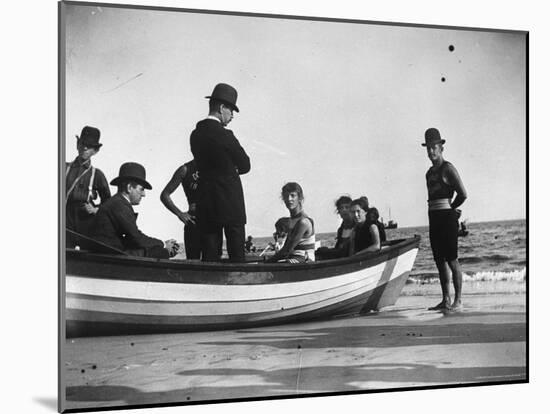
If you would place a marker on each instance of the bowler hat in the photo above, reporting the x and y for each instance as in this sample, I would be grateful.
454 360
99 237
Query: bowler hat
225 93
89 137
432 137
132 171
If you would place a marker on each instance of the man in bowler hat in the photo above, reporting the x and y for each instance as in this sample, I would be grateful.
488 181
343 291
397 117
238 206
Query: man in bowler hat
221 160
444 183
84 183
115 223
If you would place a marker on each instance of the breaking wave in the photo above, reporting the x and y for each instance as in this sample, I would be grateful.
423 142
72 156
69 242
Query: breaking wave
485 276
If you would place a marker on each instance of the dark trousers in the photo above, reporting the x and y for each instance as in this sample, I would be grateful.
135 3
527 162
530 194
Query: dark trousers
76 219
212 237
192 241
156 252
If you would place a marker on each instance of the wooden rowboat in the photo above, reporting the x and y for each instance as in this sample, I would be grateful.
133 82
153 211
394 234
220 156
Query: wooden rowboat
115 294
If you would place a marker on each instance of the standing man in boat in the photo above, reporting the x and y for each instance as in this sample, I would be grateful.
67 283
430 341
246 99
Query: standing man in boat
115 223
220 160
84 183
443 182
188 176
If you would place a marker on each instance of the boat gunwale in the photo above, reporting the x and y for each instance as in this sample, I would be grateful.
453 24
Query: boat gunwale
398 247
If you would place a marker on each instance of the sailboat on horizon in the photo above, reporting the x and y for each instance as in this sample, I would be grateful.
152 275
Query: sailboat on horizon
391 224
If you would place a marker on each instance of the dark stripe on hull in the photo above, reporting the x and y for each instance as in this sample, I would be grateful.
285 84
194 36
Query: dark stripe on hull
168 271
78 322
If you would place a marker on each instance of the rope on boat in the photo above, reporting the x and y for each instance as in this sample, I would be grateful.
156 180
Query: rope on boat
96 242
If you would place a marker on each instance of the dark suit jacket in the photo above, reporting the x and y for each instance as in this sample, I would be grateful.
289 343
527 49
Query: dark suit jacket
115 225
220 159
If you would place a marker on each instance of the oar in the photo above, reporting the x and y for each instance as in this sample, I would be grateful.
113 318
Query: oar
104 246
265 250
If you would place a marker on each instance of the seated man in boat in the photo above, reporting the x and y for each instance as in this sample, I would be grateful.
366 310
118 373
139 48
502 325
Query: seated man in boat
115 222
299 246
368 233
341 248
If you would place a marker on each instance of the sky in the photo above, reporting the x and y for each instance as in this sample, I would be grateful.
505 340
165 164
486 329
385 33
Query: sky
339 107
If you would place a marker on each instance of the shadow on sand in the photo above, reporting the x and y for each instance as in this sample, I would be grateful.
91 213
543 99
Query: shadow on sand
357 376
384 336
287 382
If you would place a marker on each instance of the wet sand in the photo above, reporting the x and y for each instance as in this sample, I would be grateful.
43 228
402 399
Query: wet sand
403 346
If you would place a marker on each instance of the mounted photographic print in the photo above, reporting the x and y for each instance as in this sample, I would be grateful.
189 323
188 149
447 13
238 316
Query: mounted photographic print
256 206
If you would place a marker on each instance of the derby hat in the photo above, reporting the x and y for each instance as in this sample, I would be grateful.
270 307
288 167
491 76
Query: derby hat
225 93
89 137
131 171
432 137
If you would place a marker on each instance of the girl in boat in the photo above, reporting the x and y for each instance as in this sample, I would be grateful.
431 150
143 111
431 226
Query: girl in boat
299 245
281 231
368 233
341 248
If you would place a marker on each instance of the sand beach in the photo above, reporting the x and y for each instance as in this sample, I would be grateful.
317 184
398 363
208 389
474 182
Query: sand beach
399 347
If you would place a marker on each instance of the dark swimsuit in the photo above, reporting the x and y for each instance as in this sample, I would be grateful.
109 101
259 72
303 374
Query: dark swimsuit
191 233
363 238
443 223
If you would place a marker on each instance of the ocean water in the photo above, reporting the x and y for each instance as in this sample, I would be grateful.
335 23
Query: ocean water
492 251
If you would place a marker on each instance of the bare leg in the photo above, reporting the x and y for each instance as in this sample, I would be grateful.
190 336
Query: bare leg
445 281
457 283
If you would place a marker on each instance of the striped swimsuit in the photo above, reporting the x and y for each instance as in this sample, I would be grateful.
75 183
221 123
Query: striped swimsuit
304 250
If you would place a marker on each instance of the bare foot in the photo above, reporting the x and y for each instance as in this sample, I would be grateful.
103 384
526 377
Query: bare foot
457 305
440 306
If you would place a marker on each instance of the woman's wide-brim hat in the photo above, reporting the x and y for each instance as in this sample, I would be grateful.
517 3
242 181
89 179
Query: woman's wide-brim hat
226 94
432 137
132 171
89 137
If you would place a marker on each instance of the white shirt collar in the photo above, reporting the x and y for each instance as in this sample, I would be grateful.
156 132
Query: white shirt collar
126 197
214 118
